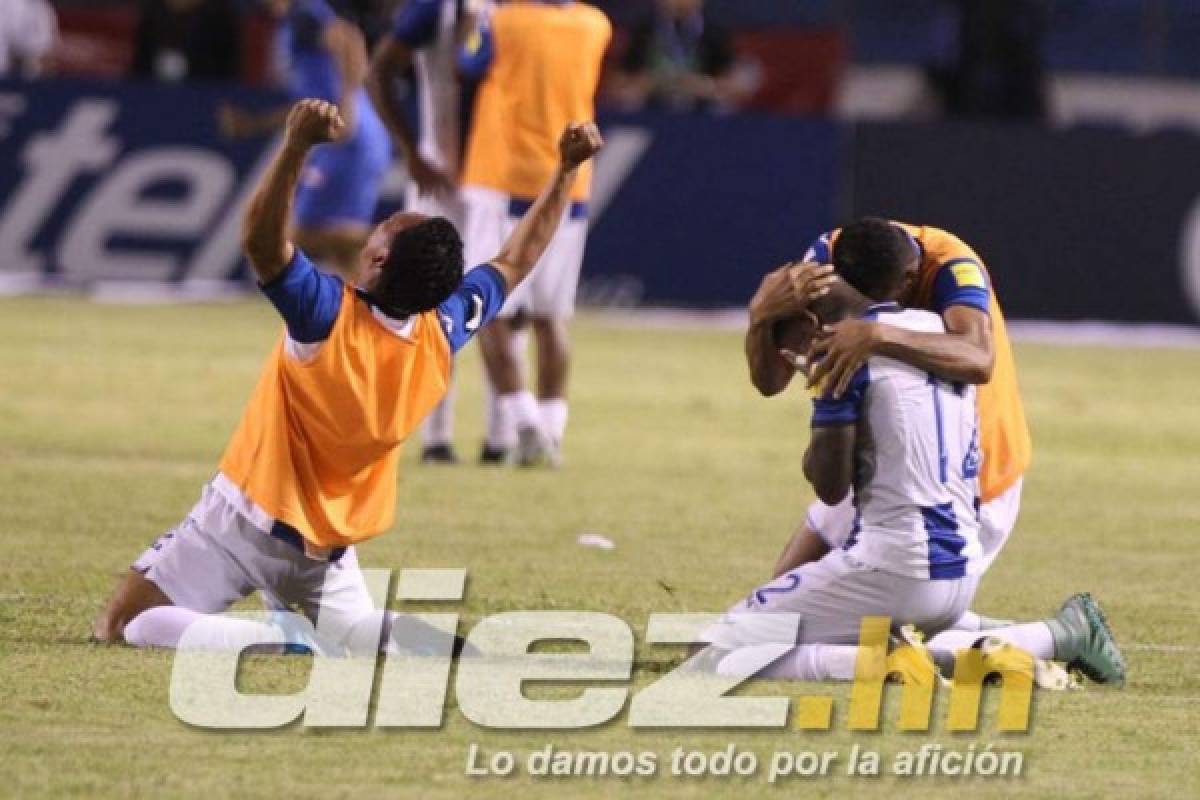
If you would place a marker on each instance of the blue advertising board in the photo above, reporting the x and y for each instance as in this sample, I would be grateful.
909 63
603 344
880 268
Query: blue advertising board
131 182
101 181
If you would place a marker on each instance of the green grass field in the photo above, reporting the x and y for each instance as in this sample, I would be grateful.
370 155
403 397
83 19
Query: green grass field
111 419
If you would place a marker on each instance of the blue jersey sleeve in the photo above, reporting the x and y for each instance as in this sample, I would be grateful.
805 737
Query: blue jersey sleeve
820 251
844 410
306 298
961 282
476 54
475 303
416 23
309 19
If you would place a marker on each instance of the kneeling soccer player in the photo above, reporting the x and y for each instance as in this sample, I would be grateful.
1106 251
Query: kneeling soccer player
312 467
907 444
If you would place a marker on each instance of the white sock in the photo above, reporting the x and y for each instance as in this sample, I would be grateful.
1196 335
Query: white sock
502 418
438 428
970 621
553 413
805 662
500 432
521 408
1032 637
163 626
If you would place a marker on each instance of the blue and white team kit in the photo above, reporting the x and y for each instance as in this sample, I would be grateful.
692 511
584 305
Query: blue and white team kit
229 545
914 554
430 29
341 182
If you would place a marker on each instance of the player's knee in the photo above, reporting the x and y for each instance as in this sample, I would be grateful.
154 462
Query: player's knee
133 595
495 342
109 627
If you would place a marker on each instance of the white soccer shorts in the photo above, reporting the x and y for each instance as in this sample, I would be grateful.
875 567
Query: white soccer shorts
997 519
215 557
549 291
831 596
453 208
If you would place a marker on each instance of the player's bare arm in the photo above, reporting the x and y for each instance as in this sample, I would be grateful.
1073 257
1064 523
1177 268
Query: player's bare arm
345 43
391 61
265 226
784 293
829 462
533 233
802 548
964 354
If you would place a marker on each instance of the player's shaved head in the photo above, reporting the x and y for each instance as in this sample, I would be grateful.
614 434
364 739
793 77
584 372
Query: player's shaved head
876 257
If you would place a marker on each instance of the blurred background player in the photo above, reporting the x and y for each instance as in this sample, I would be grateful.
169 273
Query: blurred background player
540 64
425 38
28 33
325 57
678 58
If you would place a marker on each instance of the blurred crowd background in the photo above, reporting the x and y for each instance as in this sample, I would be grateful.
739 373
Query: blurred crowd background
1060 137
915 58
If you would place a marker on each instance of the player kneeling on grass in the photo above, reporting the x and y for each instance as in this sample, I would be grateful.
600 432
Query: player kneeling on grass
943 275
312 468
906 443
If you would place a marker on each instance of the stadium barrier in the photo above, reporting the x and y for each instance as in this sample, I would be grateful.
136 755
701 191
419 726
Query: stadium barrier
108 182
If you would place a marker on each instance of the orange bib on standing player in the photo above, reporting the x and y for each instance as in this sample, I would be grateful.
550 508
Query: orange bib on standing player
544 76
1003 432
319 441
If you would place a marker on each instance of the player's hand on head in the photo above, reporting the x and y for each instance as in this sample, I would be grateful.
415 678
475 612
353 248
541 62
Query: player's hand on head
809 282
312 122
791 289
839 351
578 143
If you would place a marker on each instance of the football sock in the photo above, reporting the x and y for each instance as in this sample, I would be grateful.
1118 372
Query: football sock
1032 637
500 433
164 626
970 621
553 413
438 428
522 409
805 662
503 418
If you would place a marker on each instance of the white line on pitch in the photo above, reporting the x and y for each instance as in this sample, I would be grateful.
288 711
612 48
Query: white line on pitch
1164 648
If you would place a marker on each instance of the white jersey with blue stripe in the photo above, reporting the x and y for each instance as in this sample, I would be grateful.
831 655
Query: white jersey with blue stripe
430 28
916 462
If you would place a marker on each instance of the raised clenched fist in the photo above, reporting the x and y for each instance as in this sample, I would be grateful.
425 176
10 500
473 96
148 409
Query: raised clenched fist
313 122
579 143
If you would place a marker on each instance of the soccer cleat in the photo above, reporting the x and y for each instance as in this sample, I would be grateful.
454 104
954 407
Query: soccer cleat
554 456
1006 657
299 636
916 664
493 456
1083 639
439 454
532 448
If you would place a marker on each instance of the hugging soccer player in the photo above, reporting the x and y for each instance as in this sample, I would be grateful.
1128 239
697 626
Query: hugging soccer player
312 468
